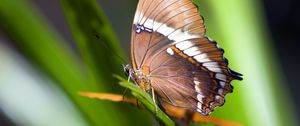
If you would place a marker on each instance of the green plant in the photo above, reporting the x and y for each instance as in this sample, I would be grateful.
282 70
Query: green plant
236 26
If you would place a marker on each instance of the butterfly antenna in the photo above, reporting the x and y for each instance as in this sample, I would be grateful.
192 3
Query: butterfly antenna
108 48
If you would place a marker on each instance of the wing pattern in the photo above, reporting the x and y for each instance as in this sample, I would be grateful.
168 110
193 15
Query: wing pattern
159 23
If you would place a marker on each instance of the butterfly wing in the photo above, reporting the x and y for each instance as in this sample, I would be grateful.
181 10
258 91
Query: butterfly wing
159 23
186 68
196 78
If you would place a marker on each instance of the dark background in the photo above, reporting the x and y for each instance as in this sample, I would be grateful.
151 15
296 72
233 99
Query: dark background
282 17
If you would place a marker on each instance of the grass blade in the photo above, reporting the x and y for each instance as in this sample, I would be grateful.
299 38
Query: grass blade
100 56
147 101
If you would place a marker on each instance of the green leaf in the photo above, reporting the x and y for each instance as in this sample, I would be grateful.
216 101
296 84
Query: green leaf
101 57
33 36
147 101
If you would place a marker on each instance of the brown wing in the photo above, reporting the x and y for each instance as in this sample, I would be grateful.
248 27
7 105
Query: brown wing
187 79
158 23
186 68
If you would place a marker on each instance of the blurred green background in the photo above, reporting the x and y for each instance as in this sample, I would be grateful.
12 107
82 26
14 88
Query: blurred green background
49 52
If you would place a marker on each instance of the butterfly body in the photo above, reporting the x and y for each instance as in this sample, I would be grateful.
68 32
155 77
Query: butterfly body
139 76
171 54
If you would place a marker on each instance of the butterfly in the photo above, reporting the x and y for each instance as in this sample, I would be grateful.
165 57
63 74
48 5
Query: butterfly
175 60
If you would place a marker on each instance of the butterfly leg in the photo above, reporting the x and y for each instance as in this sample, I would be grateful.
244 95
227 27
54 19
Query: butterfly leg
129 76
153 98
